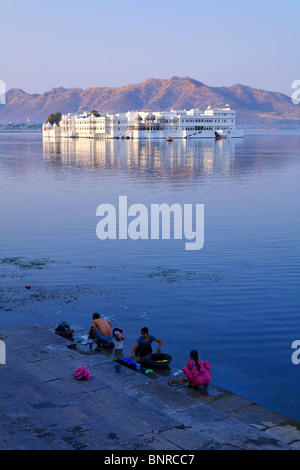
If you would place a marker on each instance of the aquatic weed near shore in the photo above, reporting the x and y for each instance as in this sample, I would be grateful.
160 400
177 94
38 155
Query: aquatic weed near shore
173 275
22 263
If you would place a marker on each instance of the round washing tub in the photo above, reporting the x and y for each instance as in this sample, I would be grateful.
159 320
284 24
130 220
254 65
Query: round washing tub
158 360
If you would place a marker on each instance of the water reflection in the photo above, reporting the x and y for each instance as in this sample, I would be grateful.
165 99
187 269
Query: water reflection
181 158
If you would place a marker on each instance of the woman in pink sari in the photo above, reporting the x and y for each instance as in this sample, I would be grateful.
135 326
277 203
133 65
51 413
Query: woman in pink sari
197 371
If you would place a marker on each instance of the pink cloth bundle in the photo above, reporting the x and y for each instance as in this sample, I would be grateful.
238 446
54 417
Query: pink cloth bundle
82 373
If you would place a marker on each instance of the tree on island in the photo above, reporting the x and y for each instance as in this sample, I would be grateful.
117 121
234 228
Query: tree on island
95 113
54 119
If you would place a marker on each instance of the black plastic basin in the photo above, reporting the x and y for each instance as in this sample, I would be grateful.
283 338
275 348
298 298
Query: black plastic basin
158 360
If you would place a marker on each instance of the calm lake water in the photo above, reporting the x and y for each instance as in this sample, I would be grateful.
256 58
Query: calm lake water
237 300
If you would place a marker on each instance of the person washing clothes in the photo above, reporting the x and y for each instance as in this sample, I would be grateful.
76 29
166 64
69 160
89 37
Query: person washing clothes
197 371
101 329
143 346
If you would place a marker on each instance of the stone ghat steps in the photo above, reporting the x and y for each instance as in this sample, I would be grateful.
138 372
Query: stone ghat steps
42 406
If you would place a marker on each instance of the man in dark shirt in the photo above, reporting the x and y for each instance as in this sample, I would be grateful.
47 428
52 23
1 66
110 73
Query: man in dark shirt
142 346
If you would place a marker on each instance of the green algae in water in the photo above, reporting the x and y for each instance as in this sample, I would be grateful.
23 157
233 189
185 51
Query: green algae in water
174 275
23 263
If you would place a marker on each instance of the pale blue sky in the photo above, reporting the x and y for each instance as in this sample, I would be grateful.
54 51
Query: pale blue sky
119 42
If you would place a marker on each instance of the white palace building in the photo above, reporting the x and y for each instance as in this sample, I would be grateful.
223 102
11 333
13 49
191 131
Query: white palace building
173 124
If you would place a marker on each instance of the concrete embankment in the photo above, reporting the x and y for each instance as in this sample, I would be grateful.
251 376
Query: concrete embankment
42 406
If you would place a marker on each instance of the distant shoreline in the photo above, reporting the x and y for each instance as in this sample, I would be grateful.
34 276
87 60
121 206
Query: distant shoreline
21 130
245 129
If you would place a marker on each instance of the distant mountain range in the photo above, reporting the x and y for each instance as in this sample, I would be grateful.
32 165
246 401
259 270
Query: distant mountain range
253 106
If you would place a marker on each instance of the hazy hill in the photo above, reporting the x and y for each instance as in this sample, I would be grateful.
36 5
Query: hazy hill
253 106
